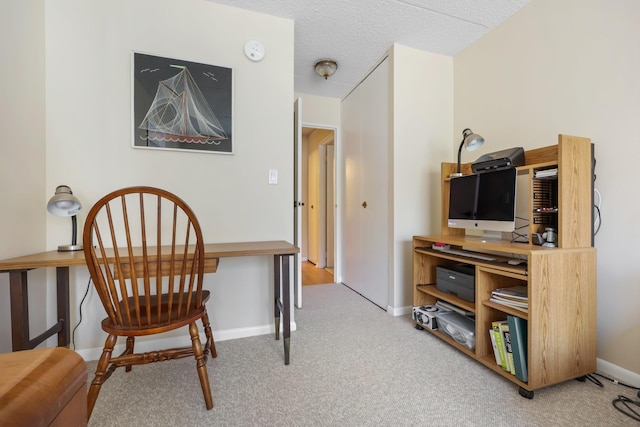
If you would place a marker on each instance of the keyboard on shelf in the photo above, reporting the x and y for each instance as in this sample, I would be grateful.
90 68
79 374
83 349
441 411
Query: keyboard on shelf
469 254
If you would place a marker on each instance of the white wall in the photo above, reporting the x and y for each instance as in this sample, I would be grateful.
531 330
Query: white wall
22 151
320 110
571 67
88 127
422 121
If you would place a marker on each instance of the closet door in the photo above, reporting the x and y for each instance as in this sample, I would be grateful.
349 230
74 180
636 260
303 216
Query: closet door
365 125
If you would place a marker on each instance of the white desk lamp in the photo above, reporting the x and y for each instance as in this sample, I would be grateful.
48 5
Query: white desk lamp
64 203
471 141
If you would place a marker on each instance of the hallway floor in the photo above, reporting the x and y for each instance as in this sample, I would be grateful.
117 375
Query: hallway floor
315 276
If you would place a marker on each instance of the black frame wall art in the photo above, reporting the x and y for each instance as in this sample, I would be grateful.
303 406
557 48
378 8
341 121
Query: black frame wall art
181 105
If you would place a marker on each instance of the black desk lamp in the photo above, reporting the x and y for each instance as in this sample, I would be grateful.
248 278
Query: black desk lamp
471 141
64 203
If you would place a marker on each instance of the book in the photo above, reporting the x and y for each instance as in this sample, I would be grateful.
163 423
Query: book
524 309
517 293
499 343
514 296
492 335
544 173
518 335
507 301
506 336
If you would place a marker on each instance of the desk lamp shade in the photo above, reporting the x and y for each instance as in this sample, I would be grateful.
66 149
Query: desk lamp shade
471 141
64 203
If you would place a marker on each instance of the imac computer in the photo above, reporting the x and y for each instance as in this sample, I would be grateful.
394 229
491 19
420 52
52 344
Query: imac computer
463 192
490 208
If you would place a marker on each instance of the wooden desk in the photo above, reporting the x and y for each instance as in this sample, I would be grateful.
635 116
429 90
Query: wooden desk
18 268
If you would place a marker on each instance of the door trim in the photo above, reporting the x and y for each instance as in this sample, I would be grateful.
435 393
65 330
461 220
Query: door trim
337 184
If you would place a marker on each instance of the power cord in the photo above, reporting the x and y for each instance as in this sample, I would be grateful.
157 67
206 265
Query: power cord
73 334
515 235
597 221
594 380
625 405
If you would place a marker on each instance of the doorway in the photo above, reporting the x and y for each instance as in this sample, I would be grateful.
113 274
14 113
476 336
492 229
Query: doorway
318 214
315 276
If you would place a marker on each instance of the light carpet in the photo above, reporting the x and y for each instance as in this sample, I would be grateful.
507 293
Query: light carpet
352 364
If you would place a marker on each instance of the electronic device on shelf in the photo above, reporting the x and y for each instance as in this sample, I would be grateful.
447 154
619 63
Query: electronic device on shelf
505 159
457 279
426 315
463 192
484 201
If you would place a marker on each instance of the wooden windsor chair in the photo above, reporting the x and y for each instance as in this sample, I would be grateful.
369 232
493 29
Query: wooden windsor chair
152 282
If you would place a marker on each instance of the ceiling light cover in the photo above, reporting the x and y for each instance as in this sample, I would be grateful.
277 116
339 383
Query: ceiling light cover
326 67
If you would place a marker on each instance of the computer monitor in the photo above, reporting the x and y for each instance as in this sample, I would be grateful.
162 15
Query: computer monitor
485 202
496 201
463 192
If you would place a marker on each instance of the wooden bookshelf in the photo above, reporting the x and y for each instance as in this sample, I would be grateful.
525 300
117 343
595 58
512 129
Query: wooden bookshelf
561 281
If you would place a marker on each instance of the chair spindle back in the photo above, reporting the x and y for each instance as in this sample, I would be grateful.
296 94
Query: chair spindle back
141 243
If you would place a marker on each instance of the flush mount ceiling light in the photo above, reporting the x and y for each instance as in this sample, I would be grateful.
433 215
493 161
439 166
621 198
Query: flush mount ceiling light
326 67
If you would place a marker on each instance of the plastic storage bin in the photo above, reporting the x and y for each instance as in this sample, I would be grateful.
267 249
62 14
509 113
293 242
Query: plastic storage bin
459 327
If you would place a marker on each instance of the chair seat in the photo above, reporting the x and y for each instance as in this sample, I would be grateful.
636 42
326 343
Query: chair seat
156 324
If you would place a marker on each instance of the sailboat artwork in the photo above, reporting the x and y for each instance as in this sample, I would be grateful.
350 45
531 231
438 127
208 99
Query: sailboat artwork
180 116
180 113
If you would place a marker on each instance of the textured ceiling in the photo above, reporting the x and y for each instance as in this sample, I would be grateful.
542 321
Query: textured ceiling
357 33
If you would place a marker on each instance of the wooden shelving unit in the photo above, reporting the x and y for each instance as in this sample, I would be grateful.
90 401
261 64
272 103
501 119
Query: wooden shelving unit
561 282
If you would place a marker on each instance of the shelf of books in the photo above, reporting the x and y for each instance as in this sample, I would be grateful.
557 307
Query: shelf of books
509 336
509 341
508 297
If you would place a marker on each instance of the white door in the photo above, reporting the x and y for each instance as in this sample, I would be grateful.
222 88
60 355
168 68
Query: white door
297 200
365 123
330 206
313 202
351 123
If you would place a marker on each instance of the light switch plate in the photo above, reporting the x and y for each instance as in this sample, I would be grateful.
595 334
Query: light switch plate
273 176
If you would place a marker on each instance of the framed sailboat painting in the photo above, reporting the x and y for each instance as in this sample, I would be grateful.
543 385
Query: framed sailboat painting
181 105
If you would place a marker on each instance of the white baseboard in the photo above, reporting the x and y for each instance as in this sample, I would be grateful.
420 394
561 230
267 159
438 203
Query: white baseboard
183 341
617 373
399 311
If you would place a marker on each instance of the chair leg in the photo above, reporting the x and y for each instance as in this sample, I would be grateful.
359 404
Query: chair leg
129 350
210 344
101 373
201 365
